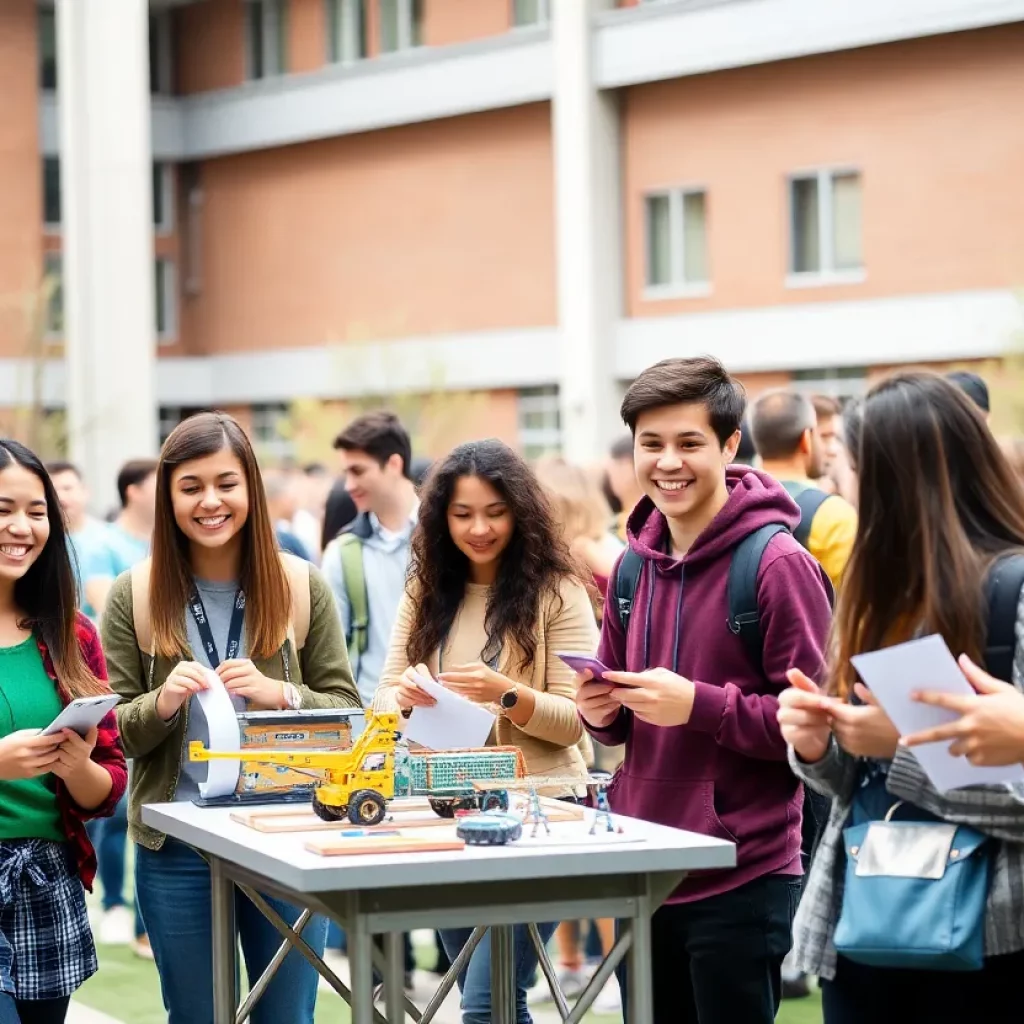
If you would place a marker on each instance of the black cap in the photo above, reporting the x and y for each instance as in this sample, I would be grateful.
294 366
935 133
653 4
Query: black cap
972 386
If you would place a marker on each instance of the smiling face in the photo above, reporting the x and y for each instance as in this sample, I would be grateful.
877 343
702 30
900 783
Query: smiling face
210 498
370 485
480 522
24 521
680 463
73 496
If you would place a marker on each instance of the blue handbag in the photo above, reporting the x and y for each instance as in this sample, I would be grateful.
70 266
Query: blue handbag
915 895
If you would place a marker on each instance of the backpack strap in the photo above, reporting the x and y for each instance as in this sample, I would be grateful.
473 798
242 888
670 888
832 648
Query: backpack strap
350 551
1003 587
140 574
297 571
809 500
627 579
744 614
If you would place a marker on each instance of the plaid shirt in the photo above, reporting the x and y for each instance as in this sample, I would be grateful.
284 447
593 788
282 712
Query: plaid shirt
108 753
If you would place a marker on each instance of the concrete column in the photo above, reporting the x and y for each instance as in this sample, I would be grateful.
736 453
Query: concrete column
107 204
588 218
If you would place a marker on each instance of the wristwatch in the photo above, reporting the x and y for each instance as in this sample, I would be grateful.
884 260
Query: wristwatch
510 698
292 697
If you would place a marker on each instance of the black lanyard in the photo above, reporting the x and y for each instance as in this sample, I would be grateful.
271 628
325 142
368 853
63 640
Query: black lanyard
195 605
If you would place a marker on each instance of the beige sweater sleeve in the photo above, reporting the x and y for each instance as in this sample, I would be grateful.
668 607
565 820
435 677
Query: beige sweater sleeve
397 660
569 628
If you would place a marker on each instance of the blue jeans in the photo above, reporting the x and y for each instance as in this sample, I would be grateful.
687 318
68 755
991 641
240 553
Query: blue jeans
475 979
174 894
110 838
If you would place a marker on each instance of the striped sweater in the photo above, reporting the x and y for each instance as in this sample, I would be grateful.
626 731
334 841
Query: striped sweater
997 811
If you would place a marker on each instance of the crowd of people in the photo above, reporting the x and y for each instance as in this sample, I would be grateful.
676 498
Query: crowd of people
725 565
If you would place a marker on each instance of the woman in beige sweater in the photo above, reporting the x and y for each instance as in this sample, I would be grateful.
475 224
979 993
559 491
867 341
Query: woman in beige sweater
493 594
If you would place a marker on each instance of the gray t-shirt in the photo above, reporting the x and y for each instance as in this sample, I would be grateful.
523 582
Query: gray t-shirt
219 601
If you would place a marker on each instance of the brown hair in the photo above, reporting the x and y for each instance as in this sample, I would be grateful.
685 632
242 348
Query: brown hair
778 420
579 506
826 406
261 576
380 435
683 381
939 504
132 474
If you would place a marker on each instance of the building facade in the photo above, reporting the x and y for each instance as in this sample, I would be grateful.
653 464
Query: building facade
522 202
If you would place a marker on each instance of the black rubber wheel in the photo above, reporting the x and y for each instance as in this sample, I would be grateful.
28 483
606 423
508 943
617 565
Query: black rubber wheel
327 813
496 801
443 807
366 808
467 803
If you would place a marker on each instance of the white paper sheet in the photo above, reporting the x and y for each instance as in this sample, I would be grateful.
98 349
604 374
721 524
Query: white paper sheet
222 723
452 722
893 674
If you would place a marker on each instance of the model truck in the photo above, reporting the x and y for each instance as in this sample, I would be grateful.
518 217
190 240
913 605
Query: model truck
361 782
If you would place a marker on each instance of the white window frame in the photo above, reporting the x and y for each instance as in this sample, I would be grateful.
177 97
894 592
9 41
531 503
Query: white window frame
826 274
274 42
405 21
838 382
52 260
165 52
546 401
543 15
677 287
166 186
52 227
167 271
345 49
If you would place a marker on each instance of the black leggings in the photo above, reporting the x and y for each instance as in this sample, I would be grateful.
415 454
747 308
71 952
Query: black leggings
33 1011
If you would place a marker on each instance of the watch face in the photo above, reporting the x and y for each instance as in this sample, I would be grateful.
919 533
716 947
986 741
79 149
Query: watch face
509 699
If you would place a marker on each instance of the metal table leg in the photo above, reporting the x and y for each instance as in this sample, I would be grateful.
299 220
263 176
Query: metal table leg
360 961
394 977
225 944
503 974
641 986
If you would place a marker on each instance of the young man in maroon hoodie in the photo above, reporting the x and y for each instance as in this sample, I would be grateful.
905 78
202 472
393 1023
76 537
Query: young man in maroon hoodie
698 717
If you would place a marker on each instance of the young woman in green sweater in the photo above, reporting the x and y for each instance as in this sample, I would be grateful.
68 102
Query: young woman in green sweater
49 785
219 598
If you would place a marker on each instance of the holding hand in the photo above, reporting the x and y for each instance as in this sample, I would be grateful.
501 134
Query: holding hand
409 694
476 682
803 717
186 678
990 730
27 754
657 696
595 702
864 730
241 678
74 752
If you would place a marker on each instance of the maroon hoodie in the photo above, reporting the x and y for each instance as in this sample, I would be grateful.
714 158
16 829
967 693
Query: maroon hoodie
724 773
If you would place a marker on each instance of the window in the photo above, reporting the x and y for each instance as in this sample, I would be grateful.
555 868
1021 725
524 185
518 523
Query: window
163 198
401 24
51 193
161 54
47 48
530 12
677 245
346 30
53 295
826 226
171 415
166 300
540 422
265 38
842 382
269 436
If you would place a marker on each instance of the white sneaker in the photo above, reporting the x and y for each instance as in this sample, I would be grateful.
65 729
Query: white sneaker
609 999
117 927
571 981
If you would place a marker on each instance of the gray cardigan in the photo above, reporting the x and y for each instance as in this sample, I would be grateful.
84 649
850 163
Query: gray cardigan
995 810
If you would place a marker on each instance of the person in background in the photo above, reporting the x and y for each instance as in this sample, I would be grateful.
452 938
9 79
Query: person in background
704 751
282 504
746 453
622 481
932 526
216 596
835 467
419 470
313 485
786 434
339 511
86 535
49 785
493 593
975 388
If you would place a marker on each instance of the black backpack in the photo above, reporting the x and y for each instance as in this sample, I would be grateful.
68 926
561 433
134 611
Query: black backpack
809 499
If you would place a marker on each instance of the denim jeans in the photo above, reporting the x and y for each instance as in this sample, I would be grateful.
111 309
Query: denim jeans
174 894
33 1011
110 838
475 979
719 960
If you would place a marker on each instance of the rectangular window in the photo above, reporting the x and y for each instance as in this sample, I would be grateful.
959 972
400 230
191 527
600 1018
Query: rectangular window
51 193
540 422
47 48
401 24
265 38
53 295
269 432
161 54
677 243
841 382
346 30
530 12
170 416
166 300
826 226
163 198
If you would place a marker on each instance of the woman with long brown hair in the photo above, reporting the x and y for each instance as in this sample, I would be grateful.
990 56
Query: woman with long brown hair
217 595
941 529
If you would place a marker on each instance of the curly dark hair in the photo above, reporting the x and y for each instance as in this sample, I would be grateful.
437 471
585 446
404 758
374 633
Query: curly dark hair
535 562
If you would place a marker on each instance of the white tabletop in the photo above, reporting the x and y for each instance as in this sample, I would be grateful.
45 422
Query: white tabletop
282 856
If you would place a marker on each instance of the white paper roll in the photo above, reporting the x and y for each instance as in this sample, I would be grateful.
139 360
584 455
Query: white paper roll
222 778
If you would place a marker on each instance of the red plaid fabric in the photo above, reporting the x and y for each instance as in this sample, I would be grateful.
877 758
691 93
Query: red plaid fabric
108 753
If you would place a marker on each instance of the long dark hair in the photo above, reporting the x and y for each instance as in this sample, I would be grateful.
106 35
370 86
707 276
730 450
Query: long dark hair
262 577
48 593
939 504
533 566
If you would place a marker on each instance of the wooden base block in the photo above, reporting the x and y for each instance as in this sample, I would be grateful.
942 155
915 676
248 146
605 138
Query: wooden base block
356 845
